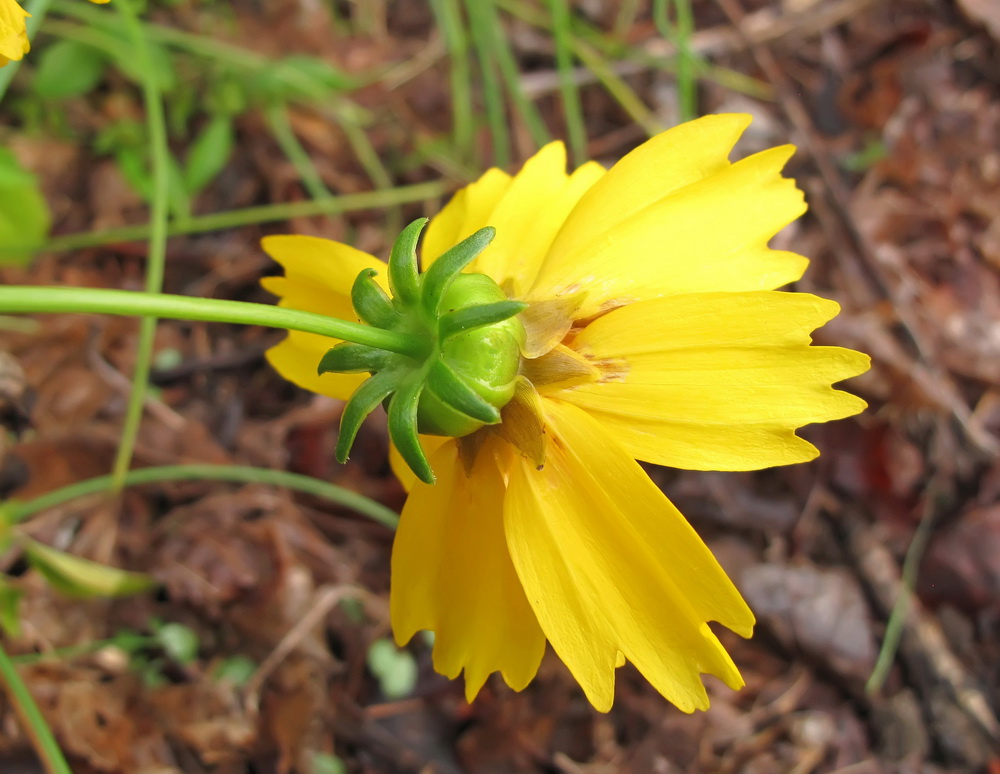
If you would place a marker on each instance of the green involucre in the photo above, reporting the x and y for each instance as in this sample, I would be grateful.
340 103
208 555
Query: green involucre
472 348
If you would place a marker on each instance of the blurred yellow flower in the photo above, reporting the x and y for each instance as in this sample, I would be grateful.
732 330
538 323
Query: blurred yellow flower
14 43
654 333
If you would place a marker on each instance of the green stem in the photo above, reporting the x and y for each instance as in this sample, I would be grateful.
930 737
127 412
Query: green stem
448 15
156 124
18 511
572 109
210 47
897 617
31 718
680 35
38 9
29 299
511 75
72 651
482 37
268 213
281 128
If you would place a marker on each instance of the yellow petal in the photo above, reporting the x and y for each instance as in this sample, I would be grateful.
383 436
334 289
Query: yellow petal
675 216
14 42
609 566
526 210
430 444
318 277
717 381
466 213
320 265
451 573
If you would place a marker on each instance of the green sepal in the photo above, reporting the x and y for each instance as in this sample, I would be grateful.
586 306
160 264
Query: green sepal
371 303
443 271
403 427
472 317
362 403
350 358
455 392
404 279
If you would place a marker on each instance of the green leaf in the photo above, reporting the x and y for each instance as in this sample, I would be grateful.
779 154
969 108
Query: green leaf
300 77
209 154
395 669
68 68
24 214
81 577
162 66
132 164
179 642
324 763
10 608
235 669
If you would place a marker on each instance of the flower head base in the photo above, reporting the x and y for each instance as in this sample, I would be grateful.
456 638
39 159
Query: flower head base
462 368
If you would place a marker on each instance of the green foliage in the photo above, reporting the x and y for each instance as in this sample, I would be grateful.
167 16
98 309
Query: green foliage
323 763
81 577
24 215
208 154
395 669
179 642
10 608
68 68
236 669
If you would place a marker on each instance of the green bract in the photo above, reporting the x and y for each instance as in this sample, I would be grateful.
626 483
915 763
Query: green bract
464 368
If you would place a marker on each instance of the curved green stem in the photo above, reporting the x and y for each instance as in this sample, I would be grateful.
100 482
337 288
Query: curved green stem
156 124
18 511
247 216
28 299
31 718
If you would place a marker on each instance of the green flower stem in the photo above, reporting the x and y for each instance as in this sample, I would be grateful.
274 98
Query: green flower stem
18 511
38 9
268 213
29 299
31 718
156 124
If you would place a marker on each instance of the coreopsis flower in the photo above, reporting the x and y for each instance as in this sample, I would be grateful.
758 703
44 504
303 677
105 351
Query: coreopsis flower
14 43
648 328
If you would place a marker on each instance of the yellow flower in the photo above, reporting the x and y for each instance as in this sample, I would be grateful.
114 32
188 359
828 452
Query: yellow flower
14 43
654 333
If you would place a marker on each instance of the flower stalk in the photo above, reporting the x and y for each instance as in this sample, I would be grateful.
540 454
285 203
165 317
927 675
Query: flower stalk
28 299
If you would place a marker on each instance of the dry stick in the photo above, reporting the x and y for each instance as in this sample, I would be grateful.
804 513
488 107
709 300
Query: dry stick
863 256
326 599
